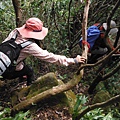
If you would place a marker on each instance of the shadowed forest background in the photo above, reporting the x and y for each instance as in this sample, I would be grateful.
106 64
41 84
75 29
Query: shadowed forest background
64 21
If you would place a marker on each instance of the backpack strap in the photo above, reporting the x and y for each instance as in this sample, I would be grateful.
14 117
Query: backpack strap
26 43
14 36
22 45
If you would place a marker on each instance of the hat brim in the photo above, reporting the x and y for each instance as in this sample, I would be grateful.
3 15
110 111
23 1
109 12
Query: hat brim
105 26
112 31
26 33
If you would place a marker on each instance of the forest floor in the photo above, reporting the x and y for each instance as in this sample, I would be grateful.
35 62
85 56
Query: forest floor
48 110
44 111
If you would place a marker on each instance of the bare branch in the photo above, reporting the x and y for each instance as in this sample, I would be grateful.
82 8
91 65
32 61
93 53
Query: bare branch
46 94
69 21
100 61
99 105
54 18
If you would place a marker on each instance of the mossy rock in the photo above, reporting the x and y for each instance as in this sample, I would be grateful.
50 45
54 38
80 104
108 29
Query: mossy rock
101 96
69 98
42 84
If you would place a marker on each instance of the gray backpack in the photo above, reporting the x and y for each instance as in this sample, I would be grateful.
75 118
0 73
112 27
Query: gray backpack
9 52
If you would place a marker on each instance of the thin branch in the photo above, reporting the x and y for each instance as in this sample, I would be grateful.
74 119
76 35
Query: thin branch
69 20
100 61
112 12
54 18
84 29
106 76
84 33
100 78
46 94
99 105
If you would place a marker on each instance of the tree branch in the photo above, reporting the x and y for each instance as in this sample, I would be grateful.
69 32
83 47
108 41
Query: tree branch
46 94
108 21
16 4
69 35
106 76
99 105
98 62
84 33
54 17
84 29
100 77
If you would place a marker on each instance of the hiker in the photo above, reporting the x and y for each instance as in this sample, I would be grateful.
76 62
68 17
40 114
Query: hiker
33 30
95 40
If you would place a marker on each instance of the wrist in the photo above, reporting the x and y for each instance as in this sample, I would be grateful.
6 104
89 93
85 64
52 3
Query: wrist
75 60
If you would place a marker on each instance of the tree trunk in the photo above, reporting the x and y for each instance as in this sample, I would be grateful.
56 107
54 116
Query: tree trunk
18 12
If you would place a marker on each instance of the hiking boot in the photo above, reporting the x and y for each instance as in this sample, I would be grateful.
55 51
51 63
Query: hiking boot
30 80
22 79
29 73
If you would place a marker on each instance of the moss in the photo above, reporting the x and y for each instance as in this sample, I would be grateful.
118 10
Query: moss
44 83
101 96
14 99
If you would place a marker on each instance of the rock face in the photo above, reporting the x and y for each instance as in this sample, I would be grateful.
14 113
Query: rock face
42 84
101 96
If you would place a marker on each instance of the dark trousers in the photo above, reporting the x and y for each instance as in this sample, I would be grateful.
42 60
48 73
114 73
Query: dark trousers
12 74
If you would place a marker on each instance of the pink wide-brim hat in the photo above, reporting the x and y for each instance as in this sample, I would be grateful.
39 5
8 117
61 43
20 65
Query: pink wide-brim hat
33 28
